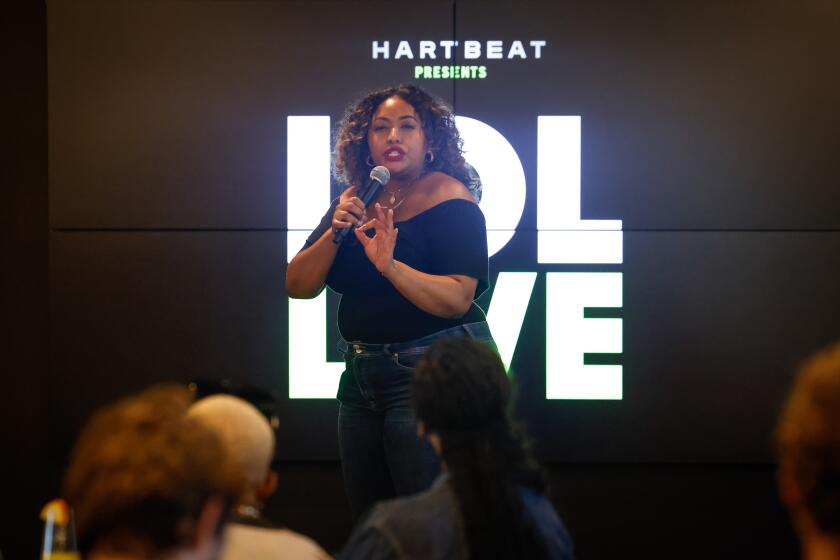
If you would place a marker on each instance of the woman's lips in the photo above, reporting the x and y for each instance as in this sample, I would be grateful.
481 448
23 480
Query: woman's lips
394 154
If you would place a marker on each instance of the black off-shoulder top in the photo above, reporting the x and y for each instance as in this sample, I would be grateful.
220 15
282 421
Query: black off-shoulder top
449 238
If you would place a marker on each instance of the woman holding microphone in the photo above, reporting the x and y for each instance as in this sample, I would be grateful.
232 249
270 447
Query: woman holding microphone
408 273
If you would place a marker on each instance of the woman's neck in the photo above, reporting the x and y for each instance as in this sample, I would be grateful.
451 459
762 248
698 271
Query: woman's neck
405 181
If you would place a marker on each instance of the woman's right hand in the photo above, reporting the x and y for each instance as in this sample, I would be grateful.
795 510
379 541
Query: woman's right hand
307 271
350 210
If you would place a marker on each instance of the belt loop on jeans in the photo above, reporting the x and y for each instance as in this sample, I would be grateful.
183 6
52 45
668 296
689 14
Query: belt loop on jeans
357 347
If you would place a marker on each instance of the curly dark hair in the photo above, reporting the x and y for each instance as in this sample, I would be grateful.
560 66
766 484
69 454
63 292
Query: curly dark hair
351 151
461 392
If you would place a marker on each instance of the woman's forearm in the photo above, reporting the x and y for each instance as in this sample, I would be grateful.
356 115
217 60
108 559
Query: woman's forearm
443 296
307 273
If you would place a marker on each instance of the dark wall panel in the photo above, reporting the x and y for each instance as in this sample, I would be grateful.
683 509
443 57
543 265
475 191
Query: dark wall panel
672 511
696 115
24 415
710 319
173 114
714 325
129 309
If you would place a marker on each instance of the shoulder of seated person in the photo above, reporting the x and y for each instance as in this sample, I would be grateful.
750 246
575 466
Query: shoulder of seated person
444 187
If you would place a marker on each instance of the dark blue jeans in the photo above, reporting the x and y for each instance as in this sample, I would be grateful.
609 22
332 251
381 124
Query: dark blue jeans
381 455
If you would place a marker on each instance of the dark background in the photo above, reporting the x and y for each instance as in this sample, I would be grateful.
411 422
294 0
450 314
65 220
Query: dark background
160 251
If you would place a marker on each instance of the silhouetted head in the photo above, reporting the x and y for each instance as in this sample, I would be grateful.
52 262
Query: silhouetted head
808 446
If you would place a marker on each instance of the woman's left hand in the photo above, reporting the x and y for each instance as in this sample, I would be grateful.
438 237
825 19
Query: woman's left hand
379 248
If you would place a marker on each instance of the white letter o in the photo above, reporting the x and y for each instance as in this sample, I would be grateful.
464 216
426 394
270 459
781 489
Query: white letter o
502 176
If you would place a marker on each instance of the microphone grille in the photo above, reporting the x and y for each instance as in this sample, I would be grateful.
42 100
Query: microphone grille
380 173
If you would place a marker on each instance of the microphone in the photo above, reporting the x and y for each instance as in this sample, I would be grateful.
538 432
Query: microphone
379 177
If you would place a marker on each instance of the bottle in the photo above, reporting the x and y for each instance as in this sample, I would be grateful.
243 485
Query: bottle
59 542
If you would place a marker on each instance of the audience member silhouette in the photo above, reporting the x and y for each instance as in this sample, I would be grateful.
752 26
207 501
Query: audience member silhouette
249 440
146 481
489 502
808 448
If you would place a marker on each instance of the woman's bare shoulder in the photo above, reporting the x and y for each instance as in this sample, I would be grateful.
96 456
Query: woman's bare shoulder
442 187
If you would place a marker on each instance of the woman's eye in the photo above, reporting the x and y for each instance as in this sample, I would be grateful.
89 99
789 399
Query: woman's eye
408 126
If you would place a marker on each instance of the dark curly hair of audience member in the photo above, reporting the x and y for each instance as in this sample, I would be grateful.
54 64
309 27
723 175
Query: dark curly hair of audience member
462 393
442 137
141 472
808 438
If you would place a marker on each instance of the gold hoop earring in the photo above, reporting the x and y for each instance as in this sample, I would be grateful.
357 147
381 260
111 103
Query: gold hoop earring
429 157
369 161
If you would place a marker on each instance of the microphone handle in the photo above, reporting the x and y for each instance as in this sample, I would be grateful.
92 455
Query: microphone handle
372 189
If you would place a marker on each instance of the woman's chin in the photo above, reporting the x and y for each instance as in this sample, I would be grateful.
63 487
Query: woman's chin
401 171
